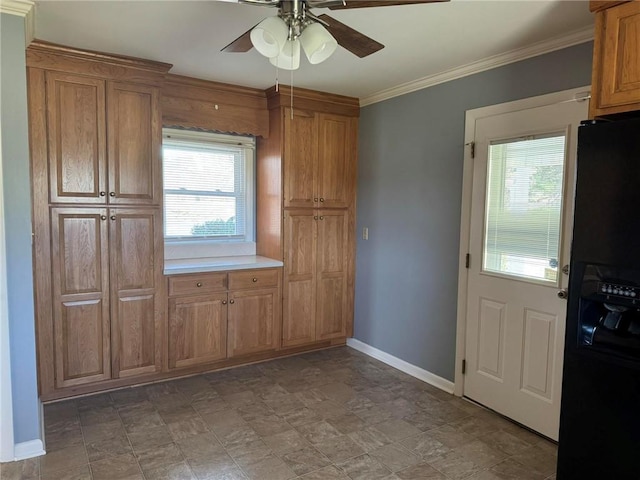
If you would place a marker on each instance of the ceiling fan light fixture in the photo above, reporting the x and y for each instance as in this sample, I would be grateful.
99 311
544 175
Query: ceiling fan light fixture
318 43
269 36
289 58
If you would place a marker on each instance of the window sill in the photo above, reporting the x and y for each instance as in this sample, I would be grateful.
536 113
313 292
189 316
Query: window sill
217 264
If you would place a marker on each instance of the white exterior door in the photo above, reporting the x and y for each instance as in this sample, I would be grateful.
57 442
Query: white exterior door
519 240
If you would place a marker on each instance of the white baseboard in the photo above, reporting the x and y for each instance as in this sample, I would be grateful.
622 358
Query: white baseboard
30 449
406 367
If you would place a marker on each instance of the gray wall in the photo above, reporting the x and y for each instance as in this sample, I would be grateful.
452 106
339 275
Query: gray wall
409 195
17 207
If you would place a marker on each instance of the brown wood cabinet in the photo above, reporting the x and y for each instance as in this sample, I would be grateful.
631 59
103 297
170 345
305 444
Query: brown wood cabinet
80 269
106 311
306 196
81 170
616 60
214 316
315 276
318 155
95 138
137 302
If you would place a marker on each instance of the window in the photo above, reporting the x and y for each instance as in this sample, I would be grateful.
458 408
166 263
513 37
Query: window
208 189
524 207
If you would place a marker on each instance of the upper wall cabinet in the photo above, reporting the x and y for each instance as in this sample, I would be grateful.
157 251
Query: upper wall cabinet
102 125
104 141
319 159
616 60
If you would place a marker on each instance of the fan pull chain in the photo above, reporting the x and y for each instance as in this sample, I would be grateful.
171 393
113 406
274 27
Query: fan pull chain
291 95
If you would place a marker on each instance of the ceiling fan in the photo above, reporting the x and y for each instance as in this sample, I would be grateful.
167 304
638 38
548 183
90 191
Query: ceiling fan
280 38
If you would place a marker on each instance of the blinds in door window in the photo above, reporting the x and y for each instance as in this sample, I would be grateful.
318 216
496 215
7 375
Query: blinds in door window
525 178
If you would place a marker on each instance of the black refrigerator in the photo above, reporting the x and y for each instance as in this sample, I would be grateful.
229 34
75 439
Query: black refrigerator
600 410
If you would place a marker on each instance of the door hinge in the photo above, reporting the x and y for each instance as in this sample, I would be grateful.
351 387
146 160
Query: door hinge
467 260
472 145
464 367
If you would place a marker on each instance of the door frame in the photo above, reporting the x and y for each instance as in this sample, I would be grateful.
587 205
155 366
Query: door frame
580 94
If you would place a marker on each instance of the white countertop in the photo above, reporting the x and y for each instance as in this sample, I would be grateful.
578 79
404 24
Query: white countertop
217 264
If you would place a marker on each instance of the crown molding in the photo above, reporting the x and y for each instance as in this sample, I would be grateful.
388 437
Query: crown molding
557 43
16 7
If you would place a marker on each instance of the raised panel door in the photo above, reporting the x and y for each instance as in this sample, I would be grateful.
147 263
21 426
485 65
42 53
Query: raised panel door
76 138
331 303
197 330
300 153
254 321
135 139
336 161
80 274
136 286
299 299
619 58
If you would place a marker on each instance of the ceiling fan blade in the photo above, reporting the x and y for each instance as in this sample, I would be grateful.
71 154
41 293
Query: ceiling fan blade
357 43
338 5
241 44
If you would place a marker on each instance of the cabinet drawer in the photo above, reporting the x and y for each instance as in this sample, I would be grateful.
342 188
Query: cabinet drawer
197 284
253 279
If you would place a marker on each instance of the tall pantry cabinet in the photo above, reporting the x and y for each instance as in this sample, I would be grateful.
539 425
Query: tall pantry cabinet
311 154
95 134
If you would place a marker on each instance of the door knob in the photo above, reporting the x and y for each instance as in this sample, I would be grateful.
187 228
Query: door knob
563 294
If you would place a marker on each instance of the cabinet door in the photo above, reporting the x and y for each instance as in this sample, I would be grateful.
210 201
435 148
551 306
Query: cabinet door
299 299
197 330
80 270
333 261
300 153
135 139
136 285
76 138
254 320
336 160
619 57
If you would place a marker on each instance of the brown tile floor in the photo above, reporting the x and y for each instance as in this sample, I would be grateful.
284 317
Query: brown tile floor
335 414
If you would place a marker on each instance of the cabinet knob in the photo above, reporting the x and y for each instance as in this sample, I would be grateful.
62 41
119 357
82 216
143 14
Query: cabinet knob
103 217
315 217
232 301
321 199
199 284
224 302
254 279
102 194
321 217
315 199
112 194
113 217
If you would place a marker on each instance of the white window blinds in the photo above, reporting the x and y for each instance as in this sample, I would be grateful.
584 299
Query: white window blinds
205 185
524 206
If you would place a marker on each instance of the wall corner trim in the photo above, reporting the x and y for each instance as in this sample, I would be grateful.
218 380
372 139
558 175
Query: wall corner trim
16 7
546 46
406 367
30 449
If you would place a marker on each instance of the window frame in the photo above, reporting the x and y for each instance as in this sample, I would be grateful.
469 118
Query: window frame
177 247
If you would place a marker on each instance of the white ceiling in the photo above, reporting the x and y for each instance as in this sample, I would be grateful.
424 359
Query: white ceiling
421 40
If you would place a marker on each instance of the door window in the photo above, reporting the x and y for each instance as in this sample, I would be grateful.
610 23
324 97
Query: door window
524 207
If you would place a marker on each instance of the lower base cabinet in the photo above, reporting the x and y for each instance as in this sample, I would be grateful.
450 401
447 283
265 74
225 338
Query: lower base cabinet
233 314
315 275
